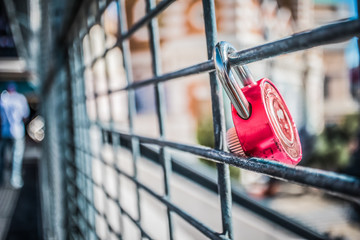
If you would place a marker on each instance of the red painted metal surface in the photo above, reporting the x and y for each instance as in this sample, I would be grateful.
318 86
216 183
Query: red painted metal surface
270 132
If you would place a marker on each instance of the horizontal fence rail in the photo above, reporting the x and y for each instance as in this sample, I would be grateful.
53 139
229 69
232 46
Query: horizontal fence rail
238 196
329 34
78 154
326 180
333 33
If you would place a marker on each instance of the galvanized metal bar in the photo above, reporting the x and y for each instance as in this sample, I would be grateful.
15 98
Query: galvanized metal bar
238 196
102 187
81 137
70 128
108 196
191 220
333 33
115 145
165 161
80 213
224 185
82 158
71 150
197 224
76 221
128 33
62 108
128 215
194 69
92 229
327 34
75 90
289 224
125 47
325 180
336 32
100 213
161 6
116 201
98 15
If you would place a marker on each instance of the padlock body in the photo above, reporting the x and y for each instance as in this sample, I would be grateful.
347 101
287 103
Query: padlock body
270 131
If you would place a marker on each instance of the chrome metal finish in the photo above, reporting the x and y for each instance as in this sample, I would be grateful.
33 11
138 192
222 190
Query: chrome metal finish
226 76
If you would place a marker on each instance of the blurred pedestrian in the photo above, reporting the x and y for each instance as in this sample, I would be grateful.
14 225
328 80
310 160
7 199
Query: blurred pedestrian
14 110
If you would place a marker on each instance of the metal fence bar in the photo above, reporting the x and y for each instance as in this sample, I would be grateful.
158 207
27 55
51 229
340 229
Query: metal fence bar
161 6
224 187
75 118
69 152
128 33
99 154
125 47
332 33
82 137
327 34
326 180
184 215
165 160
103 167
238 196
97 115
114 146
68 173
187 217
90 227
102 187
336 32
103 215
65 103
78 174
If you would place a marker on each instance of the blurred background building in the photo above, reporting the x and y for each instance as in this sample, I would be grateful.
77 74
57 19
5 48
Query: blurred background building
320 86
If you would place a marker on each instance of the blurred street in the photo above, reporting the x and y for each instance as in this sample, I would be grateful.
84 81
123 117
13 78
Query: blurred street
20 212
321 212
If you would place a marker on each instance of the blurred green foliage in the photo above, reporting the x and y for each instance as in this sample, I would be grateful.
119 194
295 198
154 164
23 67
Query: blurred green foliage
205 137
205 132
332 148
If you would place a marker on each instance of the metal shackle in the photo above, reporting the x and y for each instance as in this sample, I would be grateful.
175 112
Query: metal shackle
231 85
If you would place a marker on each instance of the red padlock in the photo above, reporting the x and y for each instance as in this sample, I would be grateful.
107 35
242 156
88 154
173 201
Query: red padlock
264 127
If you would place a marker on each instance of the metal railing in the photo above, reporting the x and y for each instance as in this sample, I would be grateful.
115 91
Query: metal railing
77 153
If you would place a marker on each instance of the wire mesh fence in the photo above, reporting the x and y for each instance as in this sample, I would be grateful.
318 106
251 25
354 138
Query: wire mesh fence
86 142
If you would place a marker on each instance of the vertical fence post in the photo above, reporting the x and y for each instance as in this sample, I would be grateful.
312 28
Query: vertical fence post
160 105
224 185
125 47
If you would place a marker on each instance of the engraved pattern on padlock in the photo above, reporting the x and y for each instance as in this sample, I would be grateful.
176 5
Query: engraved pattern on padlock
263 125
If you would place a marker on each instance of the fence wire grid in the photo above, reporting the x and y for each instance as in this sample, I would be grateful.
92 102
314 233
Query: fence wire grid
84 206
